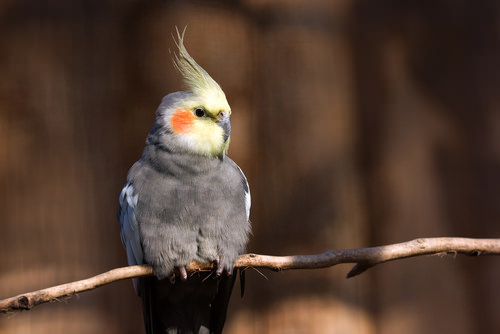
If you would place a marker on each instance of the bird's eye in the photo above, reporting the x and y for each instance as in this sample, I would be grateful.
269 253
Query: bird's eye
200 112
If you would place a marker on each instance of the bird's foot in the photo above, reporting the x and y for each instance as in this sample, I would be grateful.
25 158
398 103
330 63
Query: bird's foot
221 266
219 261
171 278
182 274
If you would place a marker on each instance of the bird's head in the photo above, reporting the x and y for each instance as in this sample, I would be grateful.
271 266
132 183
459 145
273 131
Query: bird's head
194 121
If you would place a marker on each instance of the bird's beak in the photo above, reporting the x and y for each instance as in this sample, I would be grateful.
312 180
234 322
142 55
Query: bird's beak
225 124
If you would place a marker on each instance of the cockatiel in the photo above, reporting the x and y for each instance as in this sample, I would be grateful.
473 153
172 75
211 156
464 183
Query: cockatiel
184 201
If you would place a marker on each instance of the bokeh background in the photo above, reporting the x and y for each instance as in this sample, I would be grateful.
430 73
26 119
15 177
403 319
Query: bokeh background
358 123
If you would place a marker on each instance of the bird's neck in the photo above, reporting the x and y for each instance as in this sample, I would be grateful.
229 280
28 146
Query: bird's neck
165 160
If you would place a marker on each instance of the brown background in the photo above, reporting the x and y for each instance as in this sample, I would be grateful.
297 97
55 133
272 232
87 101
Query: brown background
358 123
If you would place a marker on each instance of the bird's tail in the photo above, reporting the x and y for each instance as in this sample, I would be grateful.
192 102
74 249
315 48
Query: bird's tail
196 305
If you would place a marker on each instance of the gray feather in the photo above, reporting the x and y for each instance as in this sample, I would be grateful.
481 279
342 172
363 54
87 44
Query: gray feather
190 208
176 208
129 228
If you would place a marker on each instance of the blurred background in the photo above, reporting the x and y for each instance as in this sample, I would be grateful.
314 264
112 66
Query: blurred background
358 123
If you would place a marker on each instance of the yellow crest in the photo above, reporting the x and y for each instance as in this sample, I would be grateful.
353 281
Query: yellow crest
197 79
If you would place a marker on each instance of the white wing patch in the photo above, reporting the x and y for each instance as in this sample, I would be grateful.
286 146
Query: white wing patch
248 199
248 202
129 228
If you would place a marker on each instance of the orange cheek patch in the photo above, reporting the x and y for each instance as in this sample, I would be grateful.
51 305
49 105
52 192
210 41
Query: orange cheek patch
181 121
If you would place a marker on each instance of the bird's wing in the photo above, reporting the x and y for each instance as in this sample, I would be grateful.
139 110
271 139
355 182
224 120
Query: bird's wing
129 228
248 202
246 188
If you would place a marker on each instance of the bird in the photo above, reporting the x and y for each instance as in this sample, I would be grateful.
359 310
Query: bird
185 200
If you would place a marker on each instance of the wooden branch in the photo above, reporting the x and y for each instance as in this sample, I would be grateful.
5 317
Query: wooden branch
364 258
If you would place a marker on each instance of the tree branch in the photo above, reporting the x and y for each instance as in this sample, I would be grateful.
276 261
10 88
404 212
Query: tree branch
364 258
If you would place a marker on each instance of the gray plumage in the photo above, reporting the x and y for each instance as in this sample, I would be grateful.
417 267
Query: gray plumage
178 206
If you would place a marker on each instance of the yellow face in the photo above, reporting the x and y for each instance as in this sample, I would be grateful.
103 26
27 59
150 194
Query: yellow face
203 131
200 124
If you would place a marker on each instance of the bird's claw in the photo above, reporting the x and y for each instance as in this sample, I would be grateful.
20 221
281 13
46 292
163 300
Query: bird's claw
171 278
219 261
182 274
